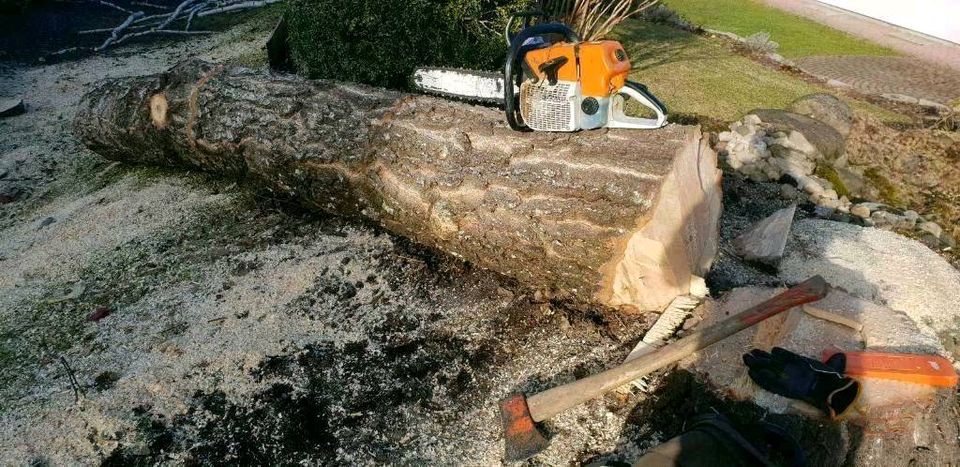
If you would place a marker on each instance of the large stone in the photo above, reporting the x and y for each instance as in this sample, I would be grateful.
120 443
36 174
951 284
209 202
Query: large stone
827 109
822 136
765 240
877 265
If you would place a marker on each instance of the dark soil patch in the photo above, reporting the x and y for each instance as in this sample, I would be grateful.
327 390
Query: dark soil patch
682 397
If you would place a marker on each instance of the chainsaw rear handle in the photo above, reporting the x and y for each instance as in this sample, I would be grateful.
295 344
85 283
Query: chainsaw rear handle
512 72
619 119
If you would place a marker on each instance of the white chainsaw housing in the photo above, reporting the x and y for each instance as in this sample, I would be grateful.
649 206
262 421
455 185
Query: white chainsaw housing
561 107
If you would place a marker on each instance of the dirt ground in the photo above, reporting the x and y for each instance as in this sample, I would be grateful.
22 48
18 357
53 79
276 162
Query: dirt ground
240 328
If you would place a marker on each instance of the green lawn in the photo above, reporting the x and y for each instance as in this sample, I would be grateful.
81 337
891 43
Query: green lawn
798 37
699 76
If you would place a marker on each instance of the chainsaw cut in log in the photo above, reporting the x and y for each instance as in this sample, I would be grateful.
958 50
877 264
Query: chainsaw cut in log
611 217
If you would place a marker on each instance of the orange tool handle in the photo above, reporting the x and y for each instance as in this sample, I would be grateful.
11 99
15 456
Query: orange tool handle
931 370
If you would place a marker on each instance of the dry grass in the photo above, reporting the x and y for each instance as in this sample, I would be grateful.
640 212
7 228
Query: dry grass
594 19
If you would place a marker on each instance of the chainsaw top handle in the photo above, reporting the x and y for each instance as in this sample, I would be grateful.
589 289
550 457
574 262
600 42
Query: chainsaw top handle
527 17
512 71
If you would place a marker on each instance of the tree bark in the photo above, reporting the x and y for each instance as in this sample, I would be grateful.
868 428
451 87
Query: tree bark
618 218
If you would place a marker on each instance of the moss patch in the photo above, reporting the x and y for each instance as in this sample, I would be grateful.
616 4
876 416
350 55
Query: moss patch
829 174
889 193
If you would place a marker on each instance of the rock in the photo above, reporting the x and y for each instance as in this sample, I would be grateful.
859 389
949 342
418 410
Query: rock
824 212
828 141
789 192
932 228
750 119
811 187
930 241
793 163
765 240
947 241
12 107
886 219
876 265
912 215
875 206
832 194
795 141
828 202
826 108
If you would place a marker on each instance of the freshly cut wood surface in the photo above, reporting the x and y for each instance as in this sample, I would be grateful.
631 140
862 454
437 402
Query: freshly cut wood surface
618 218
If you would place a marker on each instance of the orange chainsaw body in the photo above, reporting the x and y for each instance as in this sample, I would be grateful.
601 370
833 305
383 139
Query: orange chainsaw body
601 67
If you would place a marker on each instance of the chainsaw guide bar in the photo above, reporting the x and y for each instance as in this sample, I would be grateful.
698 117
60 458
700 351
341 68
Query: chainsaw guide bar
484 87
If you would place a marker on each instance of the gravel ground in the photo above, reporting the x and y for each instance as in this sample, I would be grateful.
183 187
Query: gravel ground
241 328
149 316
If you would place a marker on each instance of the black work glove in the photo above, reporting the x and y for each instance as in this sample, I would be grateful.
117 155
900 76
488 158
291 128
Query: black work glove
797 377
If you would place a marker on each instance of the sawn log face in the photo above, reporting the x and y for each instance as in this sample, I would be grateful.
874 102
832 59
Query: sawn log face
606 217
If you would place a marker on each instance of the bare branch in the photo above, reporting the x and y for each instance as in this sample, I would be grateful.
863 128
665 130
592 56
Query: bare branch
113 5
238 6
116 32
151 5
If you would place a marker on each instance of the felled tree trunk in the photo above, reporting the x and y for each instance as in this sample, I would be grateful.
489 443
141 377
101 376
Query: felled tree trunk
619 218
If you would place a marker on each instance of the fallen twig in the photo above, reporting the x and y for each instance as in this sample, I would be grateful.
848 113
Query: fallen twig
77 390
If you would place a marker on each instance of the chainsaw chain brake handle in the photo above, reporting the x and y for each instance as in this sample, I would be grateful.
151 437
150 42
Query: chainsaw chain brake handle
512 71
619 119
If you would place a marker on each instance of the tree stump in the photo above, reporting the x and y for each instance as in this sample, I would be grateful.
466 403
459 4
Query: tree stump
609 217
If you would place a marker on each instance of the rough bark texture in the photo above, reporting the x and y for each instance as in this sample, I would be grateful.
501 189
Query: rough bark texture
619 218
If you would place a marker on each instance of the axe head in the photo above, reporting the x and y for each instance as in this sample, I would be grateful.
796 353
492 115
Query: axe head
521 438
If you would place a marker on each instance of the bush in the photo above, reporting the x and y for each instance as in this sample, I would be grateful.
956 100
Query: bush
381 42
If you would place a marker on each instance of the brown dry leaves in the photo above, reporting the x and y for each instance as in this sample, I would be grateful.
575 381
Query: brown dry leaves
922 166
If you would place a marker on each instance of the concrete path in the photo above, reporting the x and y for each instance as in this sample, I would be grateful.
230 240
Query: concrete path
907 42
903 76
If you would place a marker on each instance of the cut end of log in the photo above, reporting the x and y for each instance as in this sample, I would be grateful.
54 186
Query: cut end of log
158 110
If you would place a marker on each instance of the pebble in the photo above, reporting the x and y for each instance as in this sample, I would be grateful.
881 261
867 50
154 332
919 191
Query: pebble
932 228
860 211
746 130
832 194
788 191
828 202
912 215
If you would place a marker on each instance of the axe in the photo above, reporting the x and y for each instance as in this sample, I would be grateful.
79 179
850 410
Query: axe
520 414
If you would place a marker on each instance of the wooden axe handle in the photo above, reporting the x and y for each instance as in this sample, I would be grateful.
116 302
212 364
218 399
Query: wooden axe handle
548 403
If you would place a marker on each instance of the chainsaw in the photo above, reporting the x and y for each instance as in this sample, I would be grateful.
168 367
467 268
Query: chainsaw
552 81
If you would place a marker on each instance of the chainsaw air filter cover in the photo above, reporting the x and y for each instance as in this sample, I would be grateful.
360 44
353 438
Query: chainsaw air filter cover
547 107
